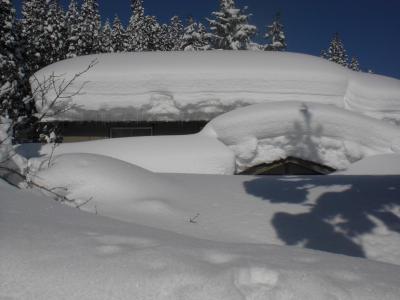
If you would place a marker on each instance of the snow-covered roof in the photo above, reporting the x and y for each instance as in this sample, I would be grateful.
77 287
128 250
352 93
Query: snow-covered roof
201 85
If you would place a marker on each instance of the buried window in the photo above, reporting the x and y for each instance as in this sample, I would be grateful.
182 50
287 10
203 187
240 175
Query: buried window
119 132
289 166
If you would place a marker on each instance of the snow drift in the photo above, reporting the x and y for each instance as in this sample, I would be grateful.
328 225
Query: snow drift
49 251
201 85
170 154
351 215
321 133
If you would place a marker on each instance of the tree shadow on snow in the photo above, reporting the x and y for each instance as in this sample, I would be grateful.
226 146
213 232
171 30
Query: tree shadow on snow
339 209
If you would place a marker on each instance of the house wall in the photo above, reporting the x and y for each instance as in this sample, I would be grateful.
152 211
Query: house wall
86 131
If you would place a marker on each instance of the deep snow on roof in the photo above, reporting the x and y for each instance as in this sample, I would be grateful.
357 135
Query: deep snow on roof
201 85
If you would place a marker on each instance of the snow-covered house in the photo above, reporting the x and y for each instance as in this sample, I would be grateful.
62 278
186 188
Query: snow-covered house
161 93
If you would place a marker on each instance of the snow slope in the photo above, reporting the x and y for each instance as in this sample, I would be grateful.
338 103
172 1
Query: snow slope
171 154
357 216
321 133
50 251
385 164
201 85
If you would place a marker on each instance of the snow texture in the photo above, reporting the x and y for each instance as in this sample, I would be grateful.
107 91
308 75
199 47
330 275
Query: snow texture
170 154
385 164
321 133
201 85
352 215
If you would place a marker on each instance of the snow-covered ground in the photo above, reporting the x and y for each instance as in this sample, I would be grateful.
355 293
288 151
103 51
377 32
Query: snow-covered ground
50 251
352 215
201 85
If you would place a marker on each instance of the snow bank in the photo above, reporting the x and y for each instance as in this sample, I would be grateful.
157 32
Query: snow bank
320 133
170 154
362 220
49 251
201 85
386 164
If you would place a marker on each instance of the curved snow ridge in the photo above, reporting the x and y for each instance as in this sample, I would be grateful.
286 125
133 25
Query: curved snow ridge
202 85
325 134
374 95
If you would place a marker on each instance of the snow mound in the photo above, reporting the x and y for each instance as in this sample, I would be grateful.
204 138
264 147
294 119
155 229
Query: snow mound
170 154
102 184
201 85
387 164
321 133
63 253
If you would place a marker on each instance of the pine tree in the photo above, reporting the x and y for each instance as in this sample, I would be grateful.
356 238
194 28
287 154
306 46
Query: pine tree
89 28
136 27
56 32
354 65
194 37
118 36
152 34
276 36
336 52
106 38
175 33
230 29
72 23
34 14
10 71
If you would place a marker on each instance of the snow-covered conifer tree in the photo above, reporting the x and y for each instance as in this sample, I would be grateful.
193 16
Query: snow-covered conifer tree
118 36
136 27
230 29
89 28
194 37
106 38
34 14
72 23
56 32
152 34
13 78
336 52
275 36
175 33
354 65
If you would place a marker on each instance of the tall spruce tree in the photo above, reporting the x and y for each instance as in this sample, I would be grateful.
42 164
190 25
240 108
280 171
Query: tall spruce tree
336 52
194 37
72 23
34 14
56 32
275 35
11 72
89 28
230 29
118 36
106 38
136 34
152 34
175 33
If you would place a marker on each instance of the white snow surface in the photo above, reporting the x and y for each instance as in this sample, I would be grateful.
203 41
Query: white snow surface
321 133
51 251
385 164
171 154
201 85
352 215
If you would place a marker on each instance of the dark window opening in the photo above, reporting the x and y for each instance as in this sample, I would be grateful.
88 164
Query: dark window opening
289 166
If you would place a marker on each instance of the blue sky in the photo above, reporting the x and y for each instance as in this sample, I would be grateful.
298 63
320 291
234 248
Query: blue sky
370 29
